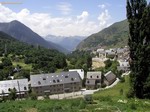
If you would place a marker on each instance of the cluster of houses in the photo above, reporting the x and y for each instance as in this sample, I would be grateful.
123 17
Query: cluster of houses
56 83
119 53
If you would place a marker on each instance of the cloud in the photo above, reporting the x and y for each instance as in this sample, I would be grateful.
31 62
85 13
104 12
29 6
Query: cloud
104 17
64 7
83 17
102 6
44 24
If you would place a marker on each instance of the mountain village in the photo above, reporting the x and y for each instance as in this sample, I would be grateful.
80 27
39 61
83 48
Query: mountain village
53 84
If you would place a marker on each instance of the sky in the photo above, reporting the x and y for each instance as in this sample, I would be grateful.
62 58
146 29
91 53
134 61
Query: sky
64 17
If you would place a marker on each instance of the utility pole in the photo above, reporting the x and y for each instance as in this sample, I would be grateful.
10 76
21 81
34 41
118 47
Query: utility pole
19 88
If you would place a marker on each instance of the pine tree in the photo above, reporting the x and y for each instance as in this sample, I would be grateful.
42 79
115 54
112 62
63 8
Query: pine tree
138 14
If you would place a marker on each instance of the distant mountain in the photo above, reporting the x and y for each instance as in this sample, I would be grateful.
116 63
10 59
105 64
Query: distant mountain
22 33
69 43
114 36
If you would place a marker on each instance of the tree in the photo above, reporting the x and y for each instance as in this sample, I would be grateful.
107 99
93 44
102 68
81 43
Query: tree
138 14
12 94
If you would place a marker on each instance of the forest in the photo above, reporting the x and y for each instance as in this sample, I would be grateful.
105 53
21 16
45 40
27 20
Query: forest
19 59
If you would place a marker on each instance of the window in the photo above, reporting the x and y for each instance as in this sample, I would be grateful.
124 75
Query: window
97 76
9 89
72 79
58 80
91 76
54 81
25 88
44 78
88 82
66 76
39 83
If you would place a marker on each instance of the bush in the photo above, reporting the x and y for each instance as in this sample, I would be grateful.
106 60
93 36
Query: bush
103 85
88 99
121 91
130 94
33 96
122 79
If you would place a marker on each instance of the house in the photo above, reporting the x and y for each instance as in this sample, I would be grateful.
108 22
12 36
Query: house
21 86
109 78
55 83
111 53
80 72
93 80
101 53
123 66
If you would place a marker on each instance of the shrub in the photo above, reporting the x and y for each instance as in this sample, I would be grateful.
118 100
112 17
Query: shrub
33 96
103 85
121 91
122 79
130 94
88 99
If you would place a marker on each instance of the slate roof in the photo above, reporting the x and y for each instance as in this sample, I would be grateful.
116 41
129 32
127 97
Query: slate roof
80 72
54 79
94 75
102 51
110 76
5 85
110 52
120 50
124 64
90 82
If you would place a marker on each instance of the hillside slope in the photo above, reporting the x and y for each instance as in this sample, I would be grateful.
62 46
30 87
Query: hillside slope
39 58
22 33
114 36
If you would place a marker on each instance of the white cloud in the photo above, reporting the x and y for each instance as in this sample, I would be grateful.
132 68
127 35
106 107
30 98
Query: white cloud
104 17
102 6
65 8
44 24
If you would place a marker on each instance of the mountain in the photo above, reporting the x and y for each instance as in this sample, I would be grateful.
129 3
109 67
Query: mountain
69 43
22 33
33 57
114 36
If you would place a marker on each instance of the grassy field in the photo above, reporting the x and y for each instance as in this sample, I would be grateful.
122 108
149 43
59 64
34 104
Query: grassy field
23 65
110 100
114 99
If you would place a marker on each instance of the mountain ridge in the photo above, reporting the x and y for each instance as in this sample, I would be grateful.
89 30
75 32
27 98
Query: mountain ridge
69 43
22 33
113 36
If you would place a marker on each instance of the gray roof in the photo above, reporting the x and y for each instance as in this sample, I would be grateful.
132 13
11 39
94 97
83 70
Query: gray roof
110 76
120 50
110 52
94 75
124 64
54 78
5 85
102 51
90 82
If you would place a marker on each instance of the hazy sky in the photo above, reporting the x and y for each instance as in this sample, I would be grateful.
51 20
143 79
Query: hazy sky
65 17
